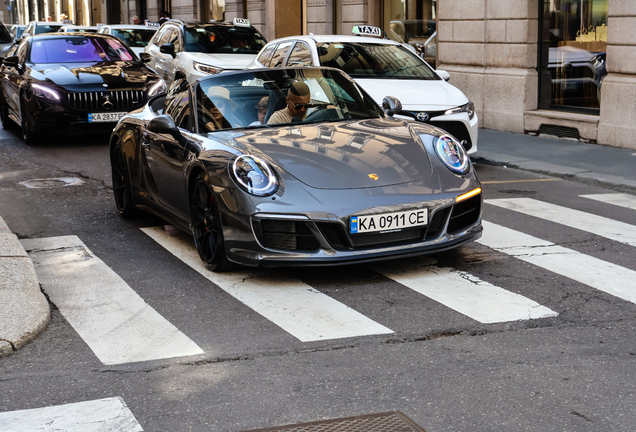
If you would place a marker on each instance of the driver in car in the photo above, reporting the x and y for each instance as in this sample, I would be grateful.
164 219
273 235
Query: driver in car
298 100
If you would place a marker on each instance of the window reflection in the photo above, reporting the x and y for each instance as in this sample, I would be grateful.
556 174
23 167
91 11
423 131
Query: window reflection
573 57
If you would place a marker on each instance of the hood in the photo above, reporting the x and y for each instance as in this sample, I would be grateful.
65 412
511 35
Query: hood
347 155
223 61
114 74
417 95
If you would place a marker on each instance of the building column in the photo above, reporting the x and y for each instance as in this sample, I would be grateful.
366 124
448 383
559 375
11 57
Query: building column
617 123
490 49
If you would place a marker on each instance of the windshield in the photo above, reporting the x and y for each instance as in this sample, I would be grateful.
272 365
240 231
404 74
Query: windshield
78 49
81 30
5 37
45 28
222 39
268 98
368 60
135 38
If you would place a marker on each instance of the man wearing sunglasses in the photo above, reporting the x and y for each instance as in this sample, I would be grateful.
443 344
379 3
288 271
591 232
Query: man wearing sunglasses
298 100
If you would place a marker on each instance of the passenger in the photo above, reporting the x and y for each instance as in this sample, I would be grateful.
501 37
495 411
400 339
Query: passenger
136 20
218 106
261 106
298 100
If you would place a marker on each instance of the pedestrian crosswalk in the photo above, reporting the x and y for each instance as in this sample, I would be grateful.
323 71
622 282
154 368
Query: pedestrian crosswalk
83 287
109 414
120 327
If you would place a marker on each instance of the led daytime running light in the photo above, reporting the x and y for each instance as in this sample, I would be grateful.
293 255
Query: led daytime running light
254 175
467 195
41 91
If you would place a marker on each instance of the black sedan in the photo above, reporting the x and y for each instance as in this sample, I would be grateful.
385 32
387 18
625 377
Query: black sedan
71 83
324 177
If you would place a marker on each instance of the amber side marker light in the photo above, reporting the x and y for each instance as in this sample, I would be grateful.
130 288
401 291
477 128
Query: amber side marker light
467 195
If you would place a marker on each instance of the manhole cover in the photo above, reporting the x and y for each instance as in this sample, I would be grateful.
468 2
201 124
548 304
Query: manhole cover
52 182
393 421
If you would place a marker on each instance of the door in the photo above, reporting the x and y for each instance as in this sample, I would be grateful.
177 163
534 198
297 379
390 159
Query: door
167 157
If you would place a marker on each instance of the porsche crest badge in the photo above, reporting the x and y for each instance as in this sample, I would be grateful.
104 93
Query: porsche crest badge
373 176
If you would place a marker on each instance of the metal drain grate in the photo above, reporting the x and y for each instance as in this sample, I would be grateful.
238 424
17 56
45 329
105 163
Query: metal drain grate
560 131
393 421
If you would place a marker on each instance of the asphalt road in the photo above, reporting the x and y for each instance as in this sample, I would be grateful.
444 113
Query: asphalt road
575 370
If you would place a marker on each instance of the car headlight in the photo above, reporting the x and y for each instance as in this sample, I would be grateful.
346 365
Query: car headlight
45 92
451 152
157 88
468 108
206 69
254 175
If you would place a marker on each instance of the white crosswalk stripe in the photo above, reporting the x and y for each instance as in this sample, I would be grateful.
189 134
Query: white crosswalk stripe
599 225
102 415
115 322
463 292
602 275
294 306
617 199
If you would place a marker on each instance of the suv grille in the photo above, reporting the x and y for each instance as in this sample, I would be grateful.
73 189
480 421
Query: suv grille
94 101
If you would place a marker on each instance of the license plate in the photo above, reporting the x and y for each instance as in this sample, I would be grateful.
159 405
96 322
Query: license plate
105 117
388 221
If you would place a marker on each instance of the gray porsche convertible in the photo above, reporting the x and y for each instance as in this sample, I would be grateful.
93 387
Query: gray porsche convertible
296 166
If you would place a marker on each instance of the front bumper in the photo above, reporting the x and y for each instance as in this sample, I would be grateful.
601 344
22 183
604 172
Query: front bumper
287 240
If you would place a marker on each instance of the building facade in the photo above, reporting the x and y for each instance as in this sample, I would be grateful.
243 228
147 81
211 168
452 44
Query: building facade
559 67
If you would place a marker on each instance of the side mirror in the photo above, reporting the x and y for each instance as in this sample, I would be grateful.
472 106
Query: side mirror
164 124
167 49
11 61
145 57
391 105
443 74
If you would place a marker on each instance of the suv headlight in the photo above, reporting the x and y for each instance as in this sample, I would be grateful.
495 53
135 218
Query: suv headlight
254 175
205 68
451 152
157 88
468 108
45 92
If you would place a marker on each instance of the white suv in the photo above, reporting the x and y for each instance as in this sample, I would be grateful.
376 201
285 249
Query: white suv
196 50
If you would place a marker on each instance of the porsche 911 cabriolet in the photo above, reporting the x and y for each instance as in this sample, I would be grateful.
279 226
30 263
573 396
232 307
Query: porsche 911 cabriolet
293 166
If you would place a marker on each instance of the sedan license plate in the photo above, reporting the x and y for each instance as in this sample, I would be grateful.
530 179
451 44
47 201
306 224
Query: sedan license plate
105 117
388 221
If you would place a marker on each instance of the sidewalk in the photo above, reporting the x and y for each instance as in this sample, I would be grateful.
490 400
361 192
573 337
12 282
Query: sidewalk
24 310
594 164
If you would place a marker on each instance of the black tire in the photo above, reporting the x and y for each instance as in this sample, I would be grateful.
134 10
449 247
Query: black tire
206 226
121 184
4 113
28 134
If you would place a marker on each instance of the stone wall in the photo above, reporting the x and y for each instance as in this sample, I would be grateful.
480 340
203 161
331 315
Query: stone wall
617 122
490 49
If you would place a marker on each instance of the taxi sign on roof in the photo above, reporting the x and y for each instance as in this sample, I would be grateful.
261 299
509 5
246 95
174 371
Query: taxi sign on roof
152 24
99 25
365 30
241 22
67 21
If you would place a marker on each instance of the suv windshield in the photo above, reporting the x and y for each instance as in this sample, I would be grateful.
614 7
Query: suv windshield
78 49
234 100
368 60
135 38
223 39
45 28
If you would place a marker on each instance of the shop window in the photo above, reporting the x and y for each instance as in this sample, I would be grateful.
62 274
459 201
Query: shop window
572 61
413 22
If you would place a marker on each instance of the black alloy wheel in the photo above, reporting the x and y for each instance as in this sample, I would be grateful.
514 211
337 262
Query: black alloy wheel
121 184
206 226
28 134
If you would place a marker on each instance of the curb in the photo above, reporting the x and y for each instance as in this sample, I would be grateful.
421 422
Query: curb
24 309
